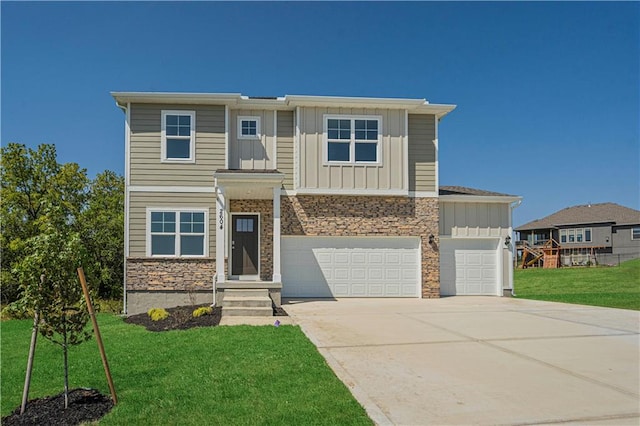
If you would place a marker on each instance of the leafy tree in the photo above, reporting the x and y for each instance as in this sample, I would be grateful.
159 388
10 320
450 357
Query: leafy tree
102 230
32 181
55 253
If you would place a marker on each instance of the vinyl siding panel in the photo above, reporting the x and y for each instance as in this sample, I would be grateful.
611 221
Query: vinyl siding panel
285 132
315 174
422 152
139 201
489 217
146 165
252 153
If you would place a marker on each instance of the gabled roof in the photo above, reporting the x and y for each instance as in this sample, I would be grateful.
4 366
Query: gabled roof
464 194
586 214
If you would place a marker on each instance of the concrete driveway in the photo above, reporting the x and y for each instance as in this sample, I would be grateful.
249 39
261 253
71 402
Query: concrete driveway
480 360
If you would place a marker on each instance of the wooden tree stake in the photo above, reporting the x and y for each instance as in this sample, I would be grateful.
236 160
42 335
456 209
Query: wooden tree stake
105 363
32 352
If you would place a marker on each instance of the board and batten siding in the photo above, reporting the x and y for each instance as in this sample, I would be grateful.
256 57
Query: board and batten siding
139 201
256 154
314 174
285 132
422 152
493 217
146 167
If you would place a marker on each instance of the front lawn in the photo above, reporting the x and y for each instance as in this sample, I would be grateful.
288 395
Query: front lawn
213 375
609 286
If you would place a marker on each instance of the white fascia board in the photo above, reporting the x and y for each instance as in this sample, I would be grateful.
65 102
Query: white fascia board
343 101
364 192
480 198
173 97
179 189
260 179
439 110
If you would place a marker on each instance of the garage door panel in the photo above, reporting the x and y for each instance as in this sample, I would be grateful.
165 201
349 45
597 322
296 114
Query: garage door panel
351 266
468 267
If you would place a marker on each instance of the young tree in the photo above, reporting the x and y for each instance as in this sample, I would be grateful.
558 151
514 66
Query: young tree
102 230
55 252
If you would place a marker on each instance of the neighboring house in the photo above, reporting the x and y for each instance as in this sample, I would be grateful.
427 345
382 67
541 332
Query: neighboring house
306 196
593 233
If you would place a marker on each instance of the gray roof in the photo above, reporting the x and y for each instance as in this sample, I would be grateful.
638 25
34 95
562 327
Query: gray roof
586 214
462 190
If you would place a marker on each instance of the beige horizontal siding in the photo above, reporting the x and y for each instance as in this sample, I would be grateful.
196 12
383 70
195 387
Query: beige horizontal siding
314 174
146 165
422 153
473 215
139 201
285 146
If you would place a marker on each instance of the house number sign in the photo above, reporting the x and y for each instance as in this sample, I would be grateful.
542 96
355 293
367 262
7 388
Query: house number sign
221 218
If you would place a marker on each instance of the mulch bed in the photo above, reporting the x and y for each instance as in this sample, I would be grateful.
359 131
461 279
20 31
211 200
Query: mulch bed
181 318
85 405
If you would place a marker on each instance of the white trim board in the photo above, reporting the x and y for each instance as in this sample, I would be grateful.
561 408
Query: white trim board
190 189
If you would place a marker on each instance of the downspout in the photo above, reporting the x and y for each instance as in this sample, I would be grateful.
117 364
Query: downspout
126 109
215 274
514 205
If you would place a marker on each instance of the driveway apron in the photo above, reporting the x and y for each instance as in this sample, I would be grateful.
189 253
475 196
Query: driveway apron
480 360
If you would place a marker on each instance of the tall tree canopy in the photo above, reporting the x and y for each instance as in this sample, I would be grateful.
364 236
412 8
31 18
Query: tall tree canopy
36 191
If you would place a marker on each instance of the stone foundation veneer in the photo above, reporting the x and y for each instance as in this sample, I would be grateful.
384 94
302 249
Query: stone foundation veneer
170 274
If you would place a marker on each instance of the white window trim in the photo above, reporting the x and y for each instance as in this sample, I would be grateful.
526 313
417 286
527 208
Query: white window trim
352 140
192 137
564 233
255 118
177 233
635 227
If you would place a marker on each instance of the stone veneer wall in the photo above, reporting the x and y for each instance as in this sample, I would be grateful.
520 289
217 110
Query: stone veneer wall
265 209
170 274
369 216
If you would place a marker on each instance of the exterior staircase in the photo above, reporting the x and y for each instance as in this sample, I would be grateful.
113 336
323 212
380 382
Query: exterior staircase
247 303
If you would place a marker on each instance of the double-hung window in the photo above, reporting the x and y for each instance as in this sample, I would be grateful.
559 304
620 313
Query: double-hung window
587 235
563 235
248 127
177 233
635 233
352 139
178 136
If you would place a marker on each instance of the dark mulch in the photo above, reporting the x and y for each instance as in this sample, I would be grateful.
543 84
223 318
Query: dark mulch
181 318
85 405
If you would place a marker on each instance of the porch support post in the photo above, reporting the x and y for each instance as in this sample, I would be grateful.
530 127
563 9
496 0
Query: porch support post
220 234
277 277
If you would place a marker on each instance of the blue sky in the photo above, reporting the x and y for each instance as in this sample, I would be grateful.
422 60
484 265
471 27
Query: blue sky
548 93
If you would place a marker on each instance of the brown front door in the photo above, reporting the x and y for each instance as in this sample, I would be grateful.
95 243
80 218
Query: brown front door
244 244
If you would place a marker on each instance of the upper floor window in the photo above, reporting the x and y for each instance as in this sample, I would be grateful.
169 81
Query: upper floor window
635 233
178 136
577 235
587 235
176 233
563 236
352 139
248 127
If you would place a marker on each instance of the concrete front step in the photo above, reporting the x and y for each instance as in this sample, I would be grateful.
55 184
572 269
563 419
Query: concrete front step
247 311
249 292
246 302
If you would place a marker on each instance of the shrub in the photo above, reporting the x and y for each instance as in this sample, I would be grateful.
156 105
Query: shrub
108 306
205 310
157 314
16 310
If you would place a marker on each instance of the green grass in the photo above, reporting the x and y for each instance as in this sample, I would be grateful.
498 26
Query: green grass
219 375
613 287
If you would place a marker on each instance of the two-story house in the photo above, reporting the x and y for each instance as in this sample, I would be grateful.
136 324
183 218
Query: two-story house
604 233
305 196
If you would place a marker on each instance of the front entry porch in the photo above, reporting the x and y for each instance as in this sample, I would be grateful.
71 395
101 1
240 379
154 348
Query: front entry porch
247 238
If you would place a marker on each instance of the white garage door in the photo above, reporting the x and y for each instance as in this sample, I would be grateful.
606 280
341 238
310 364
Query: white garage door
468 267
350 267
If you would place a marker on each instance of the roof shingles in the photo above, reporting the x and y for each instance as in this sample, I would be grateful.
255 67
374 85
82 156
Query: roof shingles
586 214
